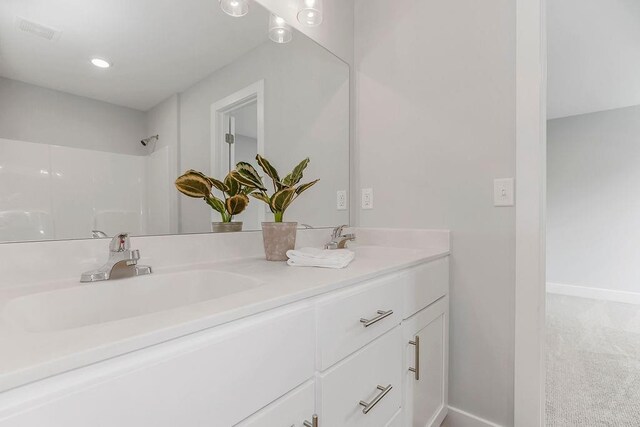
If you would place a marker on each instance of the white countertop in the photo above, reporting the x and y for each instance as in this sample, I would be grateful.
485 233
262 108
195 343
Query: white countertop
31 356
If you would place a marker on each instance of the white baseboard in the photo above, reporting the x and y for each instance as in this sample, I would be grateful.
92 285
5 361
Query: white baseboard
594 293
459 418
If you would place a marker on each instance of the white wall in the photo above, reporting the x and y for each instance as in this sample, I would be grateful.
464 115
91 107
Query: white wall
592 60
436 124
593 200
162 197
35 114
306 115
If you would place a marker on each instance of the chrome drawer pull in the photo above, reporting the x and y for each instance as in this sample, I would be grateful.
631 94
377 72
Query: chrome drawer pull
381 315
313 423
416 370
369 405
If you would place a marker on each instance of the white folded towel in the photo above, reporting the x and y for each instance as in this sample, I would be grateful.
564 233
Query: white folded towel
325 258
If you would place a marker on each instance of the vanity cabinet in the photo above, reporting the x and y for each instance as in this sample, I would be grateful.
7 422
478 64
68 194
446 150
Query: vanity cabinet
350 319
344 356
291 410
365 389
426 336
213 378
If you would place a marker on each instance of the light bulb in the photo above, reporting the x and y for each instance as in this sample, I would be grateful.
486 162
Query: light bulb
310 13
279 31
100 63
235 8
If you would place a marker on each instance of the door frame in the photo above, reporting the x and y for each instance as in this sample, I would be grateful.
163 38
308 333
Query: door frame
529 361
219 109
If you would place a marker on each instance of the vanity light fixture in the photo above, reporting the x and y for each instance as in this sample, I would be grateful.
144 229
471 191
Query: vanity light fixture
310 14
279 30
100 63
235 8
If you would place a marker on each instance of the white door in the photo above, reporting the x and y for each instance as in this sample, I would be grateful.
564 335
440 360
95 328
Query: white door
426 377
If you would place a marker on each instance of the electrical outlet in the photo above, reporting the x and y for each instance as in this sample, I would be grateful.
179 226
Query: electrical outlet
367 198
503 190
341 200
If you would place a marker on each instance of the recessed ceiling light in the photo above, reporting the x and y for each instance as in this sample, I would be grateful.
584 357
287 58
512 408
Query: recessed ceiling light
100 63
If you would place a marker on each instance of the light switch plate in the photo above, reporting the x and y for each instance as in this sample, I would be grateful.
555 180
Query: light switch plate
341 200
367 198
503 192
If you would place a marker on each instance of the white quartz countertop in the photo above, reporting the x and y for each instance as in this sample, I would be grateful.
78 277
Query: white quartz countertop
30 356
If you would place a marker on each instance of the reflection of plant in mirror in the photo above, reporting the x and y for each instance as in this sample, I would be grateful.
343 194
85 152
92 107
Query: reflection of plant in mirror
285 190
197 185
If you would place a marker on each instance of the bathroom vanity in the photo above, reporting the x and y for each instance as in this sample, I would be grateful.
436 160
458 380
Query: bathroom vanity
363 346
98 123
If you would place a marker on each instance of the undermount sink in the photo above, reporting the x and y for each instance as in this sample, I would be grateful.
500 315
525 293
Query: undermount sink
107 301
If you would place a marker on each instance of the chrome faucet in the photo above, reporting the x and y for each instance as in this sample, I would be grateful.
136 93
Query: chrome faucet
338 240
123 262
97 234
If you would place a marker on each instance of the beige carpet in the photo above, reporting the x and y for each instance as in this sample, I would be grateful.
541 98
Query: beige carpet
593 362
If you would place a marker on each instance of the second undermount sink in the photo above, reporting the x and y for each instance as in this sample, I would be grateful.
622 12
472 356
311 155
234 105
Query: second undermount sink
107 301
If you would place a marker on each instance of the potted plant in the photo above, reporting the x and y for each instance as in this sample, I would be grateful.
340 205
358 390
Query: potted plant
278 236
234 197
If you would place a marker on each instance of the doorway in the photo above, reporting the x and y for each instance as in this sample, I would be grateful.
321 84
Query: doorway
238 136
593 214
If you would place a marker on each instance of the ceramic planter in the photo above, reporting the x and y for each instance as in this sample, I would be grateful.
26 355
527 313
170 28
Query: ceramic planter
226 227
278 237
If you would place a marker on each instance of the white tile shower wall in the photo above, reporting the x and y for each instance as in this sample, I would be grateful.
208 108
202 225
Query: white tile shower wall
53 192
25 188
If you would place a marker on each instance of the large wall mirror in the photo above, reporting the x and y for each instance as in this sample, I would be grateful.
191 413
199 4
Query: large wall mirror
104 103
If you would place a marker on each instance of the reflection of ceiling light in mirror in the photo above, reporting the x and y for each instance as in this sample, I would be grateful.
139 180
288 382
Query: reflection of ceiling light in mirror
235 8
310 14
100 63
279 31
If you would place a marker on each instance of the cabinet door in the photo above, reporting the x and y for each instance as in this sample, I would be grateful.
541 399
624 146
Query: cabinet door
426 376
365 389
291 410
214 378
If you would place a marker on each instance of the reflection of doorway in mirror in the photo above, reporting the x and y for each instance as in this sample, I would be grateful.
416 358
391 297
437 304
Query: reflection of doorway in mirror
237 136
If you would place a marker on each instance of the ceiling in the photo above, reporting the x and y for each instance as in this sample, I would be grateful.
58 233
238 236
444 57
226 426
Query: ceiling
156 47
593 55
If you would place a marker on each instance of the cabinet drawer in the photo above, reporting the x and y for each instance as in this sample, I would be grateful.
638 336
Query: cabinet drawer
291 410
357 379
428 282
340 329
214 378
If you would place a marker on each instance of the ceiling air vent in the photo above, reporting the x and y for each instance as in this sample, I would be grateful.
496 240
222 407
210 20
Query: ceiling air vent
37 29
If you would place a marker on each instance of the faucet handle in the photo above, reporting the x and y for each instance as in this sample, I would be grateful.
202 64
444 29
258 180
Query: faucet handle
337 232
120 243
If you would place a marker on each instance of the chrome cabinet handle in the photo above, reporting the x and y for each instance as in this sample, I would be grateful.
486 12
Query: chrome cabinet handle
381 315
313 423
367 406
416 369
